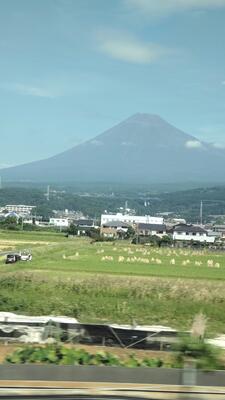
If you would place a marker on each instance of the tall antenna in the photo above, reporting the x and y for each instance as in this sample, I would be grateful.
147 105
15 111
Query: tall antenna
201 207
48 193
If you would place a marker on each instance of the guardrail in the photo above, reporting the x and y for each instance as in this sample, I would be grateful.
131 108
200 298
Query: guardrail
161 376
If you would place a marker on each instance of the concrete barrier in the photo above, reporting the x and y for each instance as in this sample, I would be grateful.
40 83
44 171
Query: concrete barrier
159 376
90 374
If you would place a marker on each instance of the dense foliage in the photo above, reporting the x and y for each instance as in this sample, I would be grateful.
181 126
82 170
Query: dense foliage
145 200
202 356
58 354
197 352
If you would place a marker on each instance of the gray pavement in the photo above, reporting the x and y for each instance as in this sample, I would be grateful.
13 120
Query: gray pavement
98 390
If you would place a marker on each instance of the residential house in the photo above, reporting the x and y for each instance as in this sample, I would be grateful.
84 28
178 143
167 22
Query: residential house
151 229
84 224
219 230
189 232
114 229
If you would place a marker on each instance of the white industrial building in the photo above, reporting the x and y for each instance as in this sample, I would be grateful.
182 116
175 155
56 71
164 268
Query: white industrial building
59 222
20 209
130 219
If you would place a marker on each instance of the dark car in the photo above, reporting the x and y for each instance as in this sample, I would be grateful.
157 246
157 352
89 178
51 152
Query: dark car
12 258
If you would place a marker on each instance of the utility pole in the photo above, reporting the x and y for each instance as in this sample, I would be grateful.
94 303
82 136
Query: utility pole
201 208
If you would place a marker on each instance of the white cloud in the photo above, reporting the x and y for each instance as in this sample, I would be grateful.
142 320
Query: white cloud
28 90
124 47
5 165
167 7
193 144
218 145
33 91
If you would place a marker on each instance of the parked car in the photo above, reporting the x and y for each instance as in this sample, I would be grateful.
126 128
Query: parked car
12 258
25 256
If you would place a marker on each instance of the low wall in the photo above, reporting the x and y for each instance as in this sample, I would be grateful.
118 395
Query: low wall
111 374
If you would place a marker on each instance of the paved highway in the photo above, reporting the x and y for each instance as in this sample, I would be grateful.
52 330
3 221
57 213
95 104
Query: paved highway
20 393
72 397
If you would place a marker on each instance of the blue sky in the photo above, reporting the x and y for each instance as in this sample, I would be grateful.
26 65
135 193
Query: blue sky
70 69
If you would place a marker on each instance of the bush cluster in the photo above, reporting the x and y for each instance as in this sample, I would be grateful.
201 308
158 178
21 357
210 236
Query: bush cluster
203 355
61 355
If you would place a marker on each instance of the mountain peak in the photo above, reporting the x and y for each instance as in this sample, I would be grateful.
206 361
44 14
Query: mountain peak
143 148
145 118
141 128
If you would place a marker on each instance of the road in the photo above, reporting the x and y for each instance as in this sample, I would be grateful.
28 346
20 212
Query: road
74 397
99 391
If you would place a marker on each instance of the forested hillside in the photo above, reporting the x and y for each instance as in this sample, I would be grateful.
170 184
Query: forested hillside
182 203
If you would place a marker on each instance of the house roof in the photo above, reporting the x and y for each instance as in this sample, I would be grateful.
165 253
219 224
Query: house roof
188 228
84 222
116 224
152 227
217 226
12 214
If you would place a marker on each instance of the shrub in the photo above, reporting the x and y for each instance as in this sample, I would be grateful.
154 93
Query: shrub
203 355
61 355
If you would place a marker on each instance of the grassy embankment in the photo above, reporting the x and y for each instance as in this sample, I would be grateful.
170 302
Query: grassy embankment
71 277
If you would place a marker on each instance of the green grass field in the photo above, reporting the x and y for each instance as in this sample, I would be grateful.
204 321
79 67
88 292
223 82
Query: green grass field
112 282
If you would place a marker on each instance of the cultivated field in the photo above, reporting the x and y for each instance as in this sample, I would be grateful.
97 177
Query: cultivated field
116 282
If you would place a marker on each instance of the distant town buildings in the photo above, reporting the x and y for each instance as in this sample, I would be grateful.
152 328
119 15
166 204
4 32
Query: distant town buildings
20 209
119 225
69 214
130 219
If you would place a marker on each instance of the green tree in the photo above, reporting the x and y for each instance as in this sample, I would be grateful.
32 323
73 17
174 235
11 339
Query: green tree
10 220
93 233
72 230
130 232
165 241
